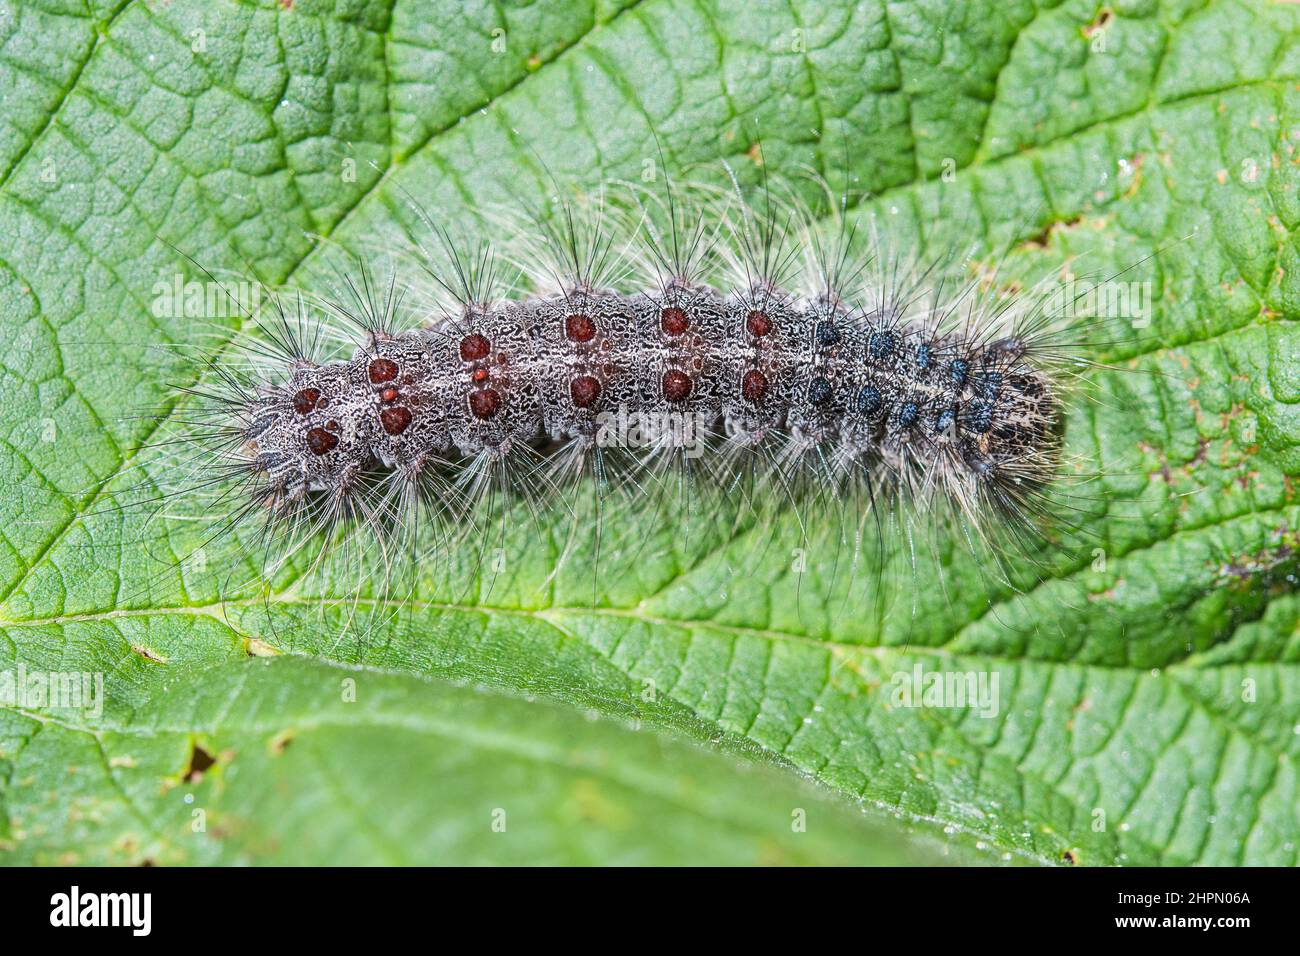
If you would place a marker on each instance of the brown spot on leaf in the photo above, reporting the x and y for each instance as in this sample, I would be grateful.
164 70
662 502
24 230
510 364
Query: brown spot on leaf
255 647
1099 23
149 655
1042 237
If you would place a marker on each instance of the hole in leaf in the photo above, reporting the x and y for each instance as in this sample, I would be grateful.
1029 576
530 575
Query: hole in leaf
200 760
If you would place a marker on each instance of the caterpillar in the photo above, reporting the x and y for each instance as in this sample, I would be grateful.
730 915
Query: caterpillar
747 343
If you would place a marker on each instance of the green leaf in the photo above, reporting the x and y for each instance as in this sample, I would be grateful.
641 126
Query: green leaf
1147 665
294 761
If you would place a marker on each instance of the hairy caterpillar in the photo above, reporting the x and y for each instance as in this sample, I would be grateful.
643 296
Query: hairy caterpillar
754 348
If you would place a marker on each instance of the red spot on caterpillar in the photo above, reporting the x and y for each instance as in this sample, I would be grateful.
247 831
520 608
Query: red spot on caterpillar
382 370
673 321
306 400
389 394
676 385
474 347
753 387
395 419
580 328
484 404
321 442
479 375
758 324
584 390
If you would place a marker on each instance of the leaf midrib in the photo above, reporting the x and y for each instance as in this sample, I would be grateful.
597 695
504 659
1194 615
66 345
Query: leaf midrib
216 611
